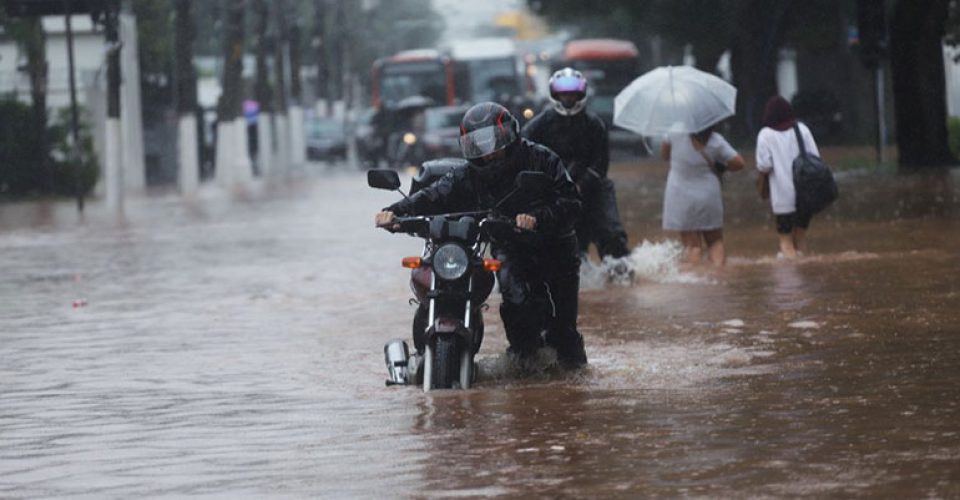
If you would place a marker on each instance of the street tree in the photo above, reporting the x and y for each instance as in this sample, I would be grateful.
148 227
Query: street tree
262 88
186 97
232 161
28 33
917 32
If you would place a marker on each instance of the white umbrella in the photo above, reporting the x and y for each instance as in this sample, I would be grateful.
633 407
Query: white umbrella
670 99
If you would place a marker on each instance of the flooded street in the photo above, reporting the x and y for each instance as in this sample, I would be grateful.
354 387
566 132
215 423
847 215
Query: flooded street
231 347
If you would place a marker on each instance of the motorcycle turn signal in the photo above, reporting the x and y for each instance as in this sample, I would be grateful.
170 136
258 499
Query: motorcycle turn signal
492 265
412 262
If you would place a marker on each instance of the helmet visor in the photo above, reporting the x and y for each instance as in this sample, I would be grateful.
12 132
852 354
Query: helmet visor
486 140
568 84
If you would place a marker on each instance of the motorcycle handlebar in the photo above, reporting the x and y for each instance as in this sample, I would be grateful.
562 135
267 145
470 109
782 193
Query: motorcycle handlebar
490 224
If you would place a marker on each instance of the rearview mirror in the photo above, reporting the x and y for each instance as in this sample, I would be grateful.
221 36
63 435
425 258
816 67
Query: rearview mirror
383 178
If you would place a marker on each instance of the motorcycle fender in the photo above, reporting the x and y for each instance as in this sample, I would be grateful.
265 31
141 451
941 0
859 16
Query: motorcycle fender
458 330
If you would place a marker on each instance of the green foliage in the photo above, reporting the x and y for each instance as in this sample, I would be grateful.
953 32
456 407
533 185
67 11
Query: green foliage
952 26
953 135
392 26
21 169
156 49
66 168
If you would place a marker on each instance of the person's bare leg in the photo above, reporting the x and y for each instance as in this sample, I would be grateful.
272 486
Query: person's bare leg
691 246
715 249
786 246
800 240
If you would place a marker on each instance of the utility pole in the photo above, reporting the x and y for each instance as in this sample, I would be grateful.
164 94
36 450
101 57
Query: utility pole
114 149
74 118
872 34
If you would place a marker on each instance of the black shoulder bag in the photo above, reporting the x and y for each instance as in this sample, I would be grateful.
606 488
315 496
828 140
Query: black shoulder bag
813 181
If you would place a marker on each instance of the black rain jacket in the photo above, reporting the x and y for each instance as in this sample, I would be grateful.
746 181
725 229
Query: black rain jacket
581 140
463 189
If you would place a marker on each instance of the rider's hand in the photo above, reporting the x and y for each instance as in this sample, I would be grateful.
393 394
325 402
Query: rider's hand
526 221
384 218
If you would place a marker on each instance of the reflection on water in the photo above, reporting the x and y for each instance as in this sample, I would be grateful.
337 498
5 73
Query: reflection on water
232 347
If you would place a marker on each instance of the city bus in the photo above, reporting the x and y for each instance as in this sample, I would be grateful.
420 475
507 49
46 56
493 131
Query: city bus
609 66
423 72
491 69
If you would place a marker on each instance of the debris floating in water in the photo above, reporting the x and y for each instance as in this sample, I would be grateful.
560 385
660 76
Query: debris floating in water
79 303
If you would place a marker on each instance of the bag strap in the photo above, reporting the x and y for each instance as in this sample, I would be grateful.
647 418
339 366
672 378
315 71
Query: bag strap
796 130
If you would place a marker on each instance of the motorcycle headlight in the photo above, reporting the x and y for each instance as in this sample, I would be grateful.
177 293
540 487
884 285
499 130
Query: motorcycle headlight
450 262
410 138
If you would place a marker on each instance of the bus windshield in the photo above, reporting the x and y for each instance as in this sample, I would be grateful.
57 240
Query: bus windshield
608 77
401 80
491 78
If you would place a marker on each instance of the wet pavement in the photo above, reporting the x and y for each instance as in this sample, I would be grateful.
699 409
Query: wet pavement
231 346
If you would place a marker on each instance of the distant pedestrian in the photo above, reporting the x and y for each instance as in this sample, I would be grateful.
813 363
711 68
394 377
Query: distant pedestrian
693 202
777 147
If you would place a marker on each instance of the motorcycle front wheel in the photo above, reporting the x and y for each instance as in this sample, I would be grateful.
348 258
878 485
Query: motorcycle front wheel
445 363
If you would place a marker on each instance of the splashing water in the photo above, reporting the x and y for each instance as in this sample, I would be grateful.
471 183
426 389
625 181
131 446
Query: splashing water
658 262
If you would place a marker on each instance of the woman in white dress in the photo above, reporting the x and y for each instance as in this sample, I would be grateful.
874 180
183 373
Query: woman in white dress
776 149
692 202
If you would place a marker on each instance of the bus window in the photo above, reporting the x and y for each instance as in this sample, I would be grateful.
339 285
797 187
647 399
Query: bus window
426 78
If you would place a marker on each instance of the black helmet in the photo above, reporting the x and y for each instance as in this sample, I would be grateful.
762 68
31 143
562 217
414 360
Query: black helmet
485 129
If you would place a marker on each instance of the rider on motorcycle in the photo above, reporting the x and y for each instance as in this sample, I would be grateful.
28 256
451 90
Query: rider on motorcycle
580 138
539 282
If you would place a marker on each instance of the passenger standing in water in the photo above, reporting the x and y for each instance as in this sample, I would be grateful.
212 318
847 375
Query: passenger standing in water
581 140
776 149
692 201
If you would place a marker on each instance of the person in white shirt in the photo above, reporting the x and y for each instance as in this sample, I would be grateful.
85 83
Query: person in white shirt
776 149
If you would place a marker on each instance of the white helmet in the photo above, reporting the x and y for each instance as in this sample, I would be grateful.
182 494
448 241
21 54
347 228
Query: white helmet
568 82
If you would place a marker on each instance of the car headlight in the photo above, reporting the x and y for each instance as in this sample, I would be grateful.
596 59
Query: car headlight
450 262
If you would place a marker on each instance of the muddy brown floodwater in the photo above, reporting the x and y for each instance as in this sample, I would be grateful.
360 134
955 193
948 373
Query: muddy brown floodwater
231 347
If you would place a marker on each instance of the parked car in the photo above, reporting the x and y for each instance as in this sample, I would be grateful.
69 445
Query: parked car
326 139
441 134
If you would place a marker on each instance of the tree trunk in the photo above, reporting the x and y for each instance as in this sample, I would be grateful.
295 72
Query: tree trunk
233 163
916 60
262 89
337 69
188 175
754 60
184 33
298 146
296 61
231 98
279 63
281 95
320 45
35 43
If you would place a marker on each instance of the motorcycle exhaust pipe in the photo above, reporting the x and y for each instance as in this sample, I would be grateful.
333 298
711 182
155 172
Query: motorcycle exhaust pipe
395 354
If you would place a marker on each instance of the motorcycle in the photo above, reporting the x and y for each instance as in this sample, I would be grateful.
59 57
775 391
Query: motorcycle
451 280
404 149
